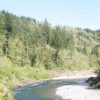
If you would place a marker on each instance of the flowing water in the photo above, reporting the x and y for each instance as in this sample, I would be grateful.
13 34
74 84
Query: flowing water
44 90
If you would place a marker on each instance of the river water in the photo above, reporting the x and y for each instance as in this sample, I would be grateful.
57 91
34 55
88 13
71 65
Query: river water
44 90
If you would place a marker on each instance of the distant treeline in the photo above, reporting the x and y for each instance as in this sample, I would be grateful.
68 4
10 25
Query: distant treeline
27 42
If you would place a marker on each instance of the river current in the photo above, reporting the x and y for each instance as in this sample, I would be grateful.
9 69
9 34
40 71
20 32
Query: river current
44 90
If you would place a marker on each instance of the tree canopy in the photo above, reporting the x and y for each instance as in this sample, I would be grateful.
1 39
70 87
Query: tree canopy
26 41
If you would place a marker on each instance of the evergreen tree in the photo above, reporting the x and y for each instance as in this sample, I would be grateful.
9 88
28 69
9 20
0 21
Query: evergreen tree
8 31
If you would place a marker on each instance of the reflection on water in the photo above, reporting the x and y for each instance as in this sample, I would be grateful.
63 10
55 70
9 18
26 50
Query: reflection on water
45 90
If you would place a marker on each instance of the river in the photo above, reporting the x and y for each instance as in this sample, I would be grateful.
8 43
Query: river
45 90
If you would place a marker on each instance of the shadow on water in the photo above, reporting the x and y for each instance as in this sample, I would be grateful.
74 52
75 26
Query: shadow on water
45 90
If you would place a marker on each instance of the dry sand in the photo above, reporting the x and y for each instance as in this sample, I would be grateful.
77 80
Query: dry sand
77 92
73 75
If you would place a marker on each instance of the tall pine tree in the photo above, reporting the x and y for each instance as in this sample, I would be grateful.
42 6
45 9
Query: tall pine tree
8 30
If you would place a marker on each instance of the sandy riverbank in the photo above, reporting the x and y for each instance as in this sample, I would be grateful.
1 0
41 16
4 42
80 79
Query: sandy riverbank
76 74
77 92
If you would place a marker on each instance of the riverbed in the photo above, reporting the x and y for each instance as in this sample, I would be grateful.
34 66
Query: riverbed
64 87
61 89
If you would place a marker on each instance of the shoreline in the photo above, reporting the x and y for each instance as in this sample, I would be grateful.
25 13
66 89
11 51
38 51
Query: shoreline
74 92
77 92
63 75
75 75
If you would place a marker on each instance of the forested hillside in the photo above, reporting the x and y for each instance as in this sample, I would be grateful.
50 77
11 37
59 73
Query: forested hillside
26 42
30 49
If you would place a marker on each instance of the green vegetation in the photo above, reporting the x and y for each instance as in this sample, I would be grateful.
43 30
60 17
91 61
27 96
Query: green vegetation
27 42
29 48
12 76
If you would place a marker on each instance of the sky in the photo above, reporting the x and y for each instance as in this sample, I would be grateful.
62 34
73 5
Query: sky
73 13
